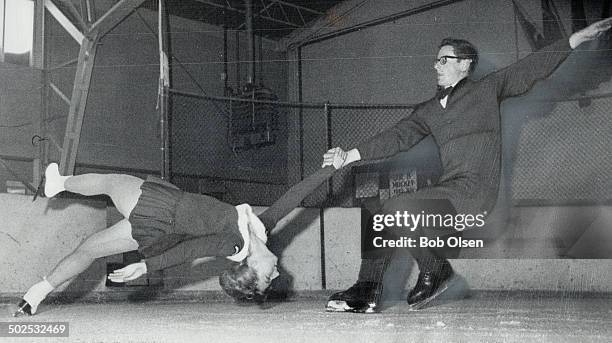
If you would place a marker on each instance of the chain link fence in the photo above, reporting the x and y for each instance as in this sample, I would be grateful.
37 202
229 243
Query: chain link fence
243 149
564 157
228 148
349 125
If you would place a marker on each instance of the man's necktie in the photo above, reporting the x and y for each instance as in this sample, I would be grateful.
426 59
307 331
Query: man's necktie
443 92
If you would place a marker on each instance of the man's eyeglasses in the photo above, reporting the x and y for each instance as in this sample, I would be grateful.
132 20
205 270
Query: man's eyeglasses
442 60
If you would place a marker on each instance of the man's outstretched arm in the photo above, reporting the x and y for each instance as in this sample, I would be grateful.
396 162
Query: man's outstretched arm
589 33
400 137
518 78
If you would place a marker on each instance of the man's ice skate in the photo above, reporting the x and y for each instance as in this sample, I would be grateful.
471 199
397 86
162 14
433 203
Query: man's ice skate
362 297
440 281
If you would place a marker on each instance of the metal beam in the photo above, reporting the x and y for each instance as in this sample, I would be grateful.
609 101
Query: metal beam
37 60
59 93
2 32
298 7
36 57
64 21
68 8
164 89
80 91
264 7
304 20
248 4
114 16
267 4
231 8
87 11
282 5
63 64
375 22
284 12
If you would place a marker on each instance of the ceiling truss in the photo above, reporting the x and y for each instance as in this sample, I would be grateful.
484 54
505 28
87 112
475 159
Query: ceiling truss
273 10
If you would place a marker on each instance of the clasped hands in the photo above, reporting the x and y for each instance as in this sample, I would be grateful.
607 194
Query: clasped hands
339 158
334 157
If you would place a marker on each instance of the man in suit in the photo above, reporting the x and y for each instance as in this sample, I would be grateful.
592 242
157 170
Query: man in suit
464 120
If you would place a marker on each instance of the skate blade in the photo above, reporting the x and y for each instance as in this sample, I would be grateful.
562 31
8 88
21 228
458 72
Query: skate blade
20 313
337 306
342 306
421 304
23 309
455 288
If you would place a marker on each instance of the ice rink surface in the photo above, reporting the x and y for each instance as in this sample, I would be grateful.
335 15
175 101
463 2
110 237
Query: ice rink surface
484 317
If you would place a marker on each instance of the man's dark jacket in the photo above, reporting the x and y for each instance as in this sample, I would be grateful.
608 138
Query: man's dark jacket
467 131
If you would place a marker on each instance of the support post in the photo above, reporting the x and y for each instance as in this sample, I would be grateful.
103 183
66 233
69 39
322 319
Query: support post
328 138
80 91
164 85
37 60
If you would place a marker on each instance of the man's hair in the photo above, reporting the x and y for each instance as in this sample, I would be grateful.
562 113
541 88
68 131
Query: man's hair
240 282
463 49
